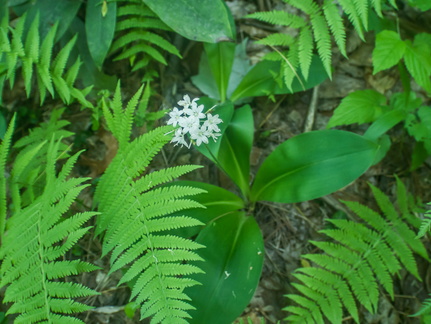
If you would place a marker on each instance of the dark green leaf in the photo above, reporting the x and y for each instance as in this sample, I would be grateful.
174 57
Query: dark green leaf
100 27
235 148
312 165
217 202
203 21
233 264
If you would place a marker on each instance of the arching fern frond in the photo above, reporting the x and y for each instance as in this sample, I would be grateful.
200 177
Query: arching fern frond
137 213
138 39
27 51
325 20
362 257
26 181
36 237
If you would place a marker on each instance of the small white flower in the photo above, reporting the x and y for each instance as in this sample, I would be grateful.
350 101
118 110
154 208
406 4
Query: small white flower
191 121
189 124
212 122
195 111
200 135
175 115
186 103
179 138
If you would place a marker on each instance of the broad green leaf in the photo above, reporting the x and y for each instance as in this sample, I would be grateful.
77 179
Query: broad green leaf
205 81
418 63
389 50
232 151
419 125
51 12
100 27
312 165
423 5
203 21
235 148
216 200
261 80
220 58
225 112
232 268
363 106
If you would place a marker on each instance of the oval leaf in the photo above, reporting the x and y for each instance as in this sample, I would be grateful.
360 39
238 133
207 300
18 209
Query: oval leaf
313 165
233 265
99 28
203 21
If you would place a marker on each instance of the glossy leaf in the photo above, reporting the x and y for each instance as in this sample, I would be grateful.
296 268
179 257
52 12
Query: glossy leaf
261 80
384 123
232 268
217 202
312 165
204 21
235 148
100 27
225 112
51 12
220 58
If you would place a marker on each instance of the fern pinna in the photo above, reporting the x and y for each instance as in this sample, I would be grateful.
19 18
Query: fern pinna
137 28
315 31
136 219
18 49
364 256
35 238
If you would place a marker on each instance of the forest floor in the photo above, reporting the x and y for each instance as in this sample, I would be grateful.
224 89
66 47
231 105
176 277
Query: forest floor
286 229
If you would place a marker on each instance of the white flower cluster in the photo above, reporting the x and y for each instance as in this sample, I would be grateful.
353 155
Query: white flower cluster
189 121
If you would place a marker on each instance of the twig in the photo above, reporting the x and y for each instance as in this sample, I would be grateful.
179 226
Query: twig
309 121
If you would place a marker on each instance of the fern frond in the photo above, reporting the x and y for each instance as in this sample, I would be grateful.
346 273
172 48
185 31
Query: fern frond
25 50
138 239
425 225
362 257
35 234
137 26
4 151
31 160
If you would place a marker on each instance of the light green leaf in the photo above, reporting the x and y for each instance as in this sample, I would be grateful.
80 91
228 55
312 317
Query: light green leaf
388 51
204 21
100 28
418 63
363 106
233 264
261 80
312 165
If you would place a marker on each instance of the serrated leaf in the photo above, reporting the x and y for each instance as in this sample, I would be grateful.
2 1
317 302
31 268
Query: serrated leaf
418 63
389 50
363 106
